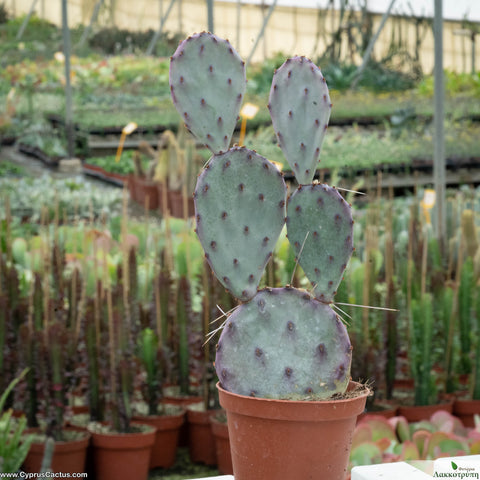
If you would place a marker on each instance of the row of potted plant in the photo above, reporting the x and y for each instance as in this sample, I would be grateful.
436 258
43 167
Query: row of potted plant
431 333
85 318
397 276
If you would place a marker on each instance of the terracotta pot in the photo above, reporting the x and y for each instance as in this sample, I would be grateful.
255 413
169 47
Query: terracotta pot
146 189
379 409
465 411
176 204
416 413
124 456
68 457
132 187
404 384
291 440
222 445
201 444
184 402
164 450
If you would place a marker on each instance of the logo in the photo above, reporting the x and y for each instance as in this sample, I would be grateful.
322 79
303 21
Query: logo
460 468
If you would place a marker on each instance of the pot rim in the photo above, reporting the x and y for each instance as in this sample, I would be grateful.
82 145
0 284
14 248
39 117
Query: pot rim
295 410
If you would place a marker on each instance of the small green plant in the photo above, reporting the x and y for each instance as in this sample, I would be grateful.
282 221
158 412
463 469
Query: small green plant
14 446
150 355
421 343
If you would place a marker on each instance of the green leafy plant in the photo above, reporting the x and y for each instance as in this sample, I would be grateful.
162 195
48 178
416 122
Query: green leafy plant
150 354
14 446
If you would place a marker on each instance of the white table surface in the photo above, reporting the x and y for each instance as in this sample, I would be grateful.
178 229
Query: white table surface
221 477
389 471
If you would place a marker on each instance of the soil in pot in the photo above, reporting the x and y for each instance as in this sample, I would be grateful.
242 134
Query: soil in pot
69 456
218 423
167 434
122 456
292 440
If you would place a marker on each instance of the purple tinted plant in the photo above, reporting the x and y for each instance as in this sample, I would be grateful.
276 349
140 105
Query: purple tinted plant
281 342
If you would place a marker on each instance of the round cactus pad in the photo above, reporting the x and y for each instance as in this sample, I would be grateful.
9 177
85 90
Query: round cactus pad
300 106
320 230
240 210
207 84
284 344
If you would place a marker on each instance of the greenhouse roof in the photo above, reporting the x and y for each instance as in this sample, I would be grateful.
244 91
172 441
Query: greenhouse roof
452 9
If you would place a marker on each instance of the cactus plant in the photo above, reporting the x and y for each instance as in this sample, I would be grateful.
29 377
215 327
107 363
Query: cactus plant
286 342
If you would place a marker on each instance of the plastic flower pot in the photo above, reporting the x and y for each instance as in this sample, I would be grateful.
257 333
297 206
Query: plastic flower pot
167 427
291 440
122 456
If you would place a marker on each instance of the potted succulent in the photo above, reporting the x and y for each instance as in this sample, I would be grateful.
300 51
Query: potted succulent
13 447
218 424
469 304
167 419
121 448
52 376
283 358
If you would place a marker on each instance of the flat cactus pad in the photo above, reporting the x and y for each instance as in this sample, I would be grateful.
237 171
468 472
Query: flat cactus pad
299 105
207 84
240 206
284 344
320 230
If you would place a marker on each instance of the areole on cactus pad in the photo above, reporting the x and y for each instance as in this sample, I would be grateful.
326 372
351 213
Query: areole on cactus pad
280 342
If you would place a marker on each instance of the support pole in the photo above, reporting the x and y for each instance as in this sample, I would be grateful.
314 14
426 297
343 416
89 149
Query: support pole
262 31
26 20
157 34
210 15
439 173
68 86
371 44
239 15
93 20
473 51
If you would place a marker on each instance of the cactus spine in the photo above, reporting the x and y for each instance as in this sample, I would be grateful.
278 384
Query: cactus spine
281 342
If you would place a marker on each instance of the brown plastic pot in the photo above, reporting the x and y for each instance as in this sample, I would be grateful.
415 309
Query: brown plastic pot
68 457
291 440
164 450
417 413
146 191
176 204
132 187
222 445
465 410
183 401
122 456
201 444
380 410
